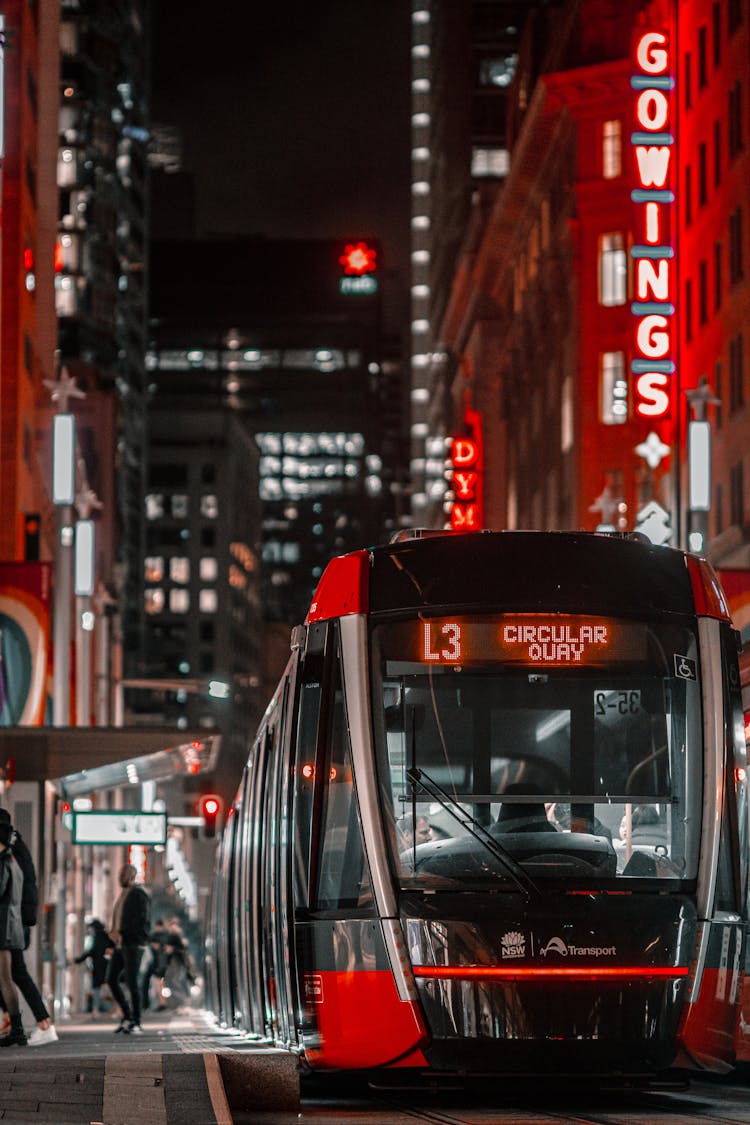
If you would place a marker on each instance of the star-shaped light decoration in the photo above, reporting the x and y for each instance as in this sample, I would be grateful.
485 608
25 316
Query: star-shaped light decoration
701 397
62 389
606 504
652 450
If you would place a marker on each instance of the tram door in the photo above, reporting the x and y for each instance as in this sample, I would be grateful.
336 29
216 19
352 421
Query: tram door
274 862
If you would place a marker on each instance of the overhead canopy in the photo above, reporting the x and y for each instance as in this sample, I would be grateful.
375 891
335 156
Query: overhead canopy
80 760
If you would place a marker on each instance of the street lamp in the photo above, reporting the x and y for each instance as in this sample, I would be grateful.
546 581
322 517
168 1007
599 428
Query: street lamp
699 464
63 489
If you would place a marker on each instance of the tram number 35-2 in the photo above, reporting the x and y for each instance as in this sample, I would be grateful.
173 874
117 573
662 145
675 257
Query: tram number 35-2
618 702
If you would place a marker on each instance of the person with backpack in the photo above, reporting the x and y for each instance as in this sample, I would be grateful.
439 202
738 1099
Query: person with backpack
44 1032
11 935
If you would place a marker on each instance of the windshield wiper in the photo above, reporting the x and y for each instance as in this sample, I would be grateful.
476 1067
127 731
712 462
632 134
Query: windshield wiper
524 882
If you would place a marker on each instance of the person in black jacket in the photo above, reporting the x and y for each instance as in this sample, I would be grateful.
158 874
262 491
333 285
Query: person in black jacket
131 922
11 934
45 1030
97 953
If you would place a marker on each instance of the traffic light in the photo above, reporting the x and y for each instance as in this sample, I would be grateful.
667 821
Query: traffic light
210 807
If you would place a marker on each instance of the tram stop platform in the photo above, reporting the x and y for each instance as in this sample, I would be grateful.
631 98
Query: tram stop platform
183 1070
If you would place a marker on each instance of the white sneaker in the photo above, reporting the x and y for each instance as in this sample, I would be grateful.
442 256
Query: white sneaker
135 1029
39 1037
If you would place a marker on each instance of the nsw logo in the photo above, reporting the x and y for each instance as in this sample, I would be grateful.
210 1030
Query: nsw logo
513 944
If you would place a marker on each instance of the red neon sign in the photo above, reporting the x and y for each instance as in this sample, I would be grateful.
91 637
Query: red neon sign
653 365
467 465
535 972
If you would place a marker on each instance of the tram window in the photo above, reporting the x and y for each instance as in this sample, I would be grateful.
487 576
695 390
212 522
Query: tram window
343 879
307 734
617 740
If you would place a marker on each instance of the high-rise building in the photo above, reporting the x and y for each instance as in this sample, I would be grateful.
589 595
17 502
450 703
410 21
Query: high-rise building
284 339
100 264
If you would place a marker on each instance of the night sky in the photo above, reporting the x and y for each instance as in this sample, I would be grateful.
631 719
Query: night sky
294 116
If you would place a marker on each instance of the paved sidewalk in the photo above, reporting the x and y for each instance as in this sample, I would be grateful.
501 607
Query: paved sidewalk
173 1074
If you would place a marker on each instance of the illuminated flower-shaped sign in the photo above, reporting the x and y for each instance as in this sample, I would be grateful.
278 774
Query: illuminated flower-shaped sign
358 258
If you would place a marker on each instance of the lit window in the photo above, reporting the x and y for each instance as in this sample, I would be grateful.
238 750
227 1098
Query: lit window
420 222
419 291
421 152
179 601
420 187
422 15
420 394
421 85
420 325
209 506
180 506
154 506
208 569
420 51
612 270
179 569
611 149
153 600
420 120
420 257
153 568
208 601
490 162
566 416
498 71
614 389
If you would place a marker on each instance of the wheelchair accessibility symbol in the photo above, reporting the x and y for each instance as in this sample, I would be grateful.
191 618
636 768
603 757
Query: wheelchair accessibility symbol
685 668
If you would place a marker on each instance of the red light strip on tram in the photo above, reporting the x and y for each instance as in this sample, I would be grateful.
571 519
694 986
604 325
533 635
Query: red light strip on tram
536 972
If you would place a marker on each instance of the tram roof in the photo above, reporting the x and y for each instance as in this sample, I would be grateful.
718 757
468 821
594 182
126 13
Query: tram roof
526 570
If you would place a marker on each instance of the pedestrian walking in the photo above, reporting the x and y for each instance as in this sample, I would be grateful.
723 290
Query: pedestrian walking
45 1031
156 966
97 952
11 934
130 928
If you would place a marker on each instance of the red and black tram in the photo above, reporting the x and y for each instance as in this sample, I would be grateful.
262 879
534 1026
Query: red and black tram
495 817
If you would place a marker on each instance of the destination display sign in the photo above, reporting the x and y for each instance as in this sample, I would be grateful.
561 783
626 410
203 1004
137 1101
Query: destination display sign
540 640
147 828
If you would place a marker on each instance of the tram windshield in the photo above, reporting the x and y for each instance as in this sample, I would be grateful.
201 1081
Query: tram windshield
542 745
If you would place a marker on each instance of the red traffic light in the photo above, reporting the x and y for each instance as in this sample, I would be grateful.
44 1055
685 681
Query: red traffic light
210 806
359 258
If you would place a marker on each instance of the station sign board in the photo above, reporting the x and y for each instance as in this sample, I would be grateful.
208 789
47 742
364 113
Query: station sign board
120 827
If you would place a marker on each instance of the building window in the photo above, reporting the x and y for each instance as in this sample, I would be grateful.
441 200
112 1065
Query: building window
717 32
736 374
689 309
734 15
734 119
736 494
179 569
489 162
702 57
209 506
717 275
614 389
180 506
179 601
717 153
612 270
687 80
208 600
208 569
736 271
688 194
702 175
154 504
153 568
153 600
703 291
611 149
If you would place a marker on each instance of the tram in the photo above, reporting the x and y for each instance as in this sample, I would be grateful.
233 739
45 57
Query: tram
495 817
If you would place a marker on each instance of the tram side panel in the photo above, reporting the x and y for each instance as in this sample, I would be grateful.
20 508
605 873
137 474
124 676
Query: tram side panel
352 1014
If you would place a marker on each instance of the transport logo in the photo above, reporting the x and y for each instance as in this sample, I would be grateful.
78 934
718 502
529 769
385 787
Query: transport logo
513 944
565 949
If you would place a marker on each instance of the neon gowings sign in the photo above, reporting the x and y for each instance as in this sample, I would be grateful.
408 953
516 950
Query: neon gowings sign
655 278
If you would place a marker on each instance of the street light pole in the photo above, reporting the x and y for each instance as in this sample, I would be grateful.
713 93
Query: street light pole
63 488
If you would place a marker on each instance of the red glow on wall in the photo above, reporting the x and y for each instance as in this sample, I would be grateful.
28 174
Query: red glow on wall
359 258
